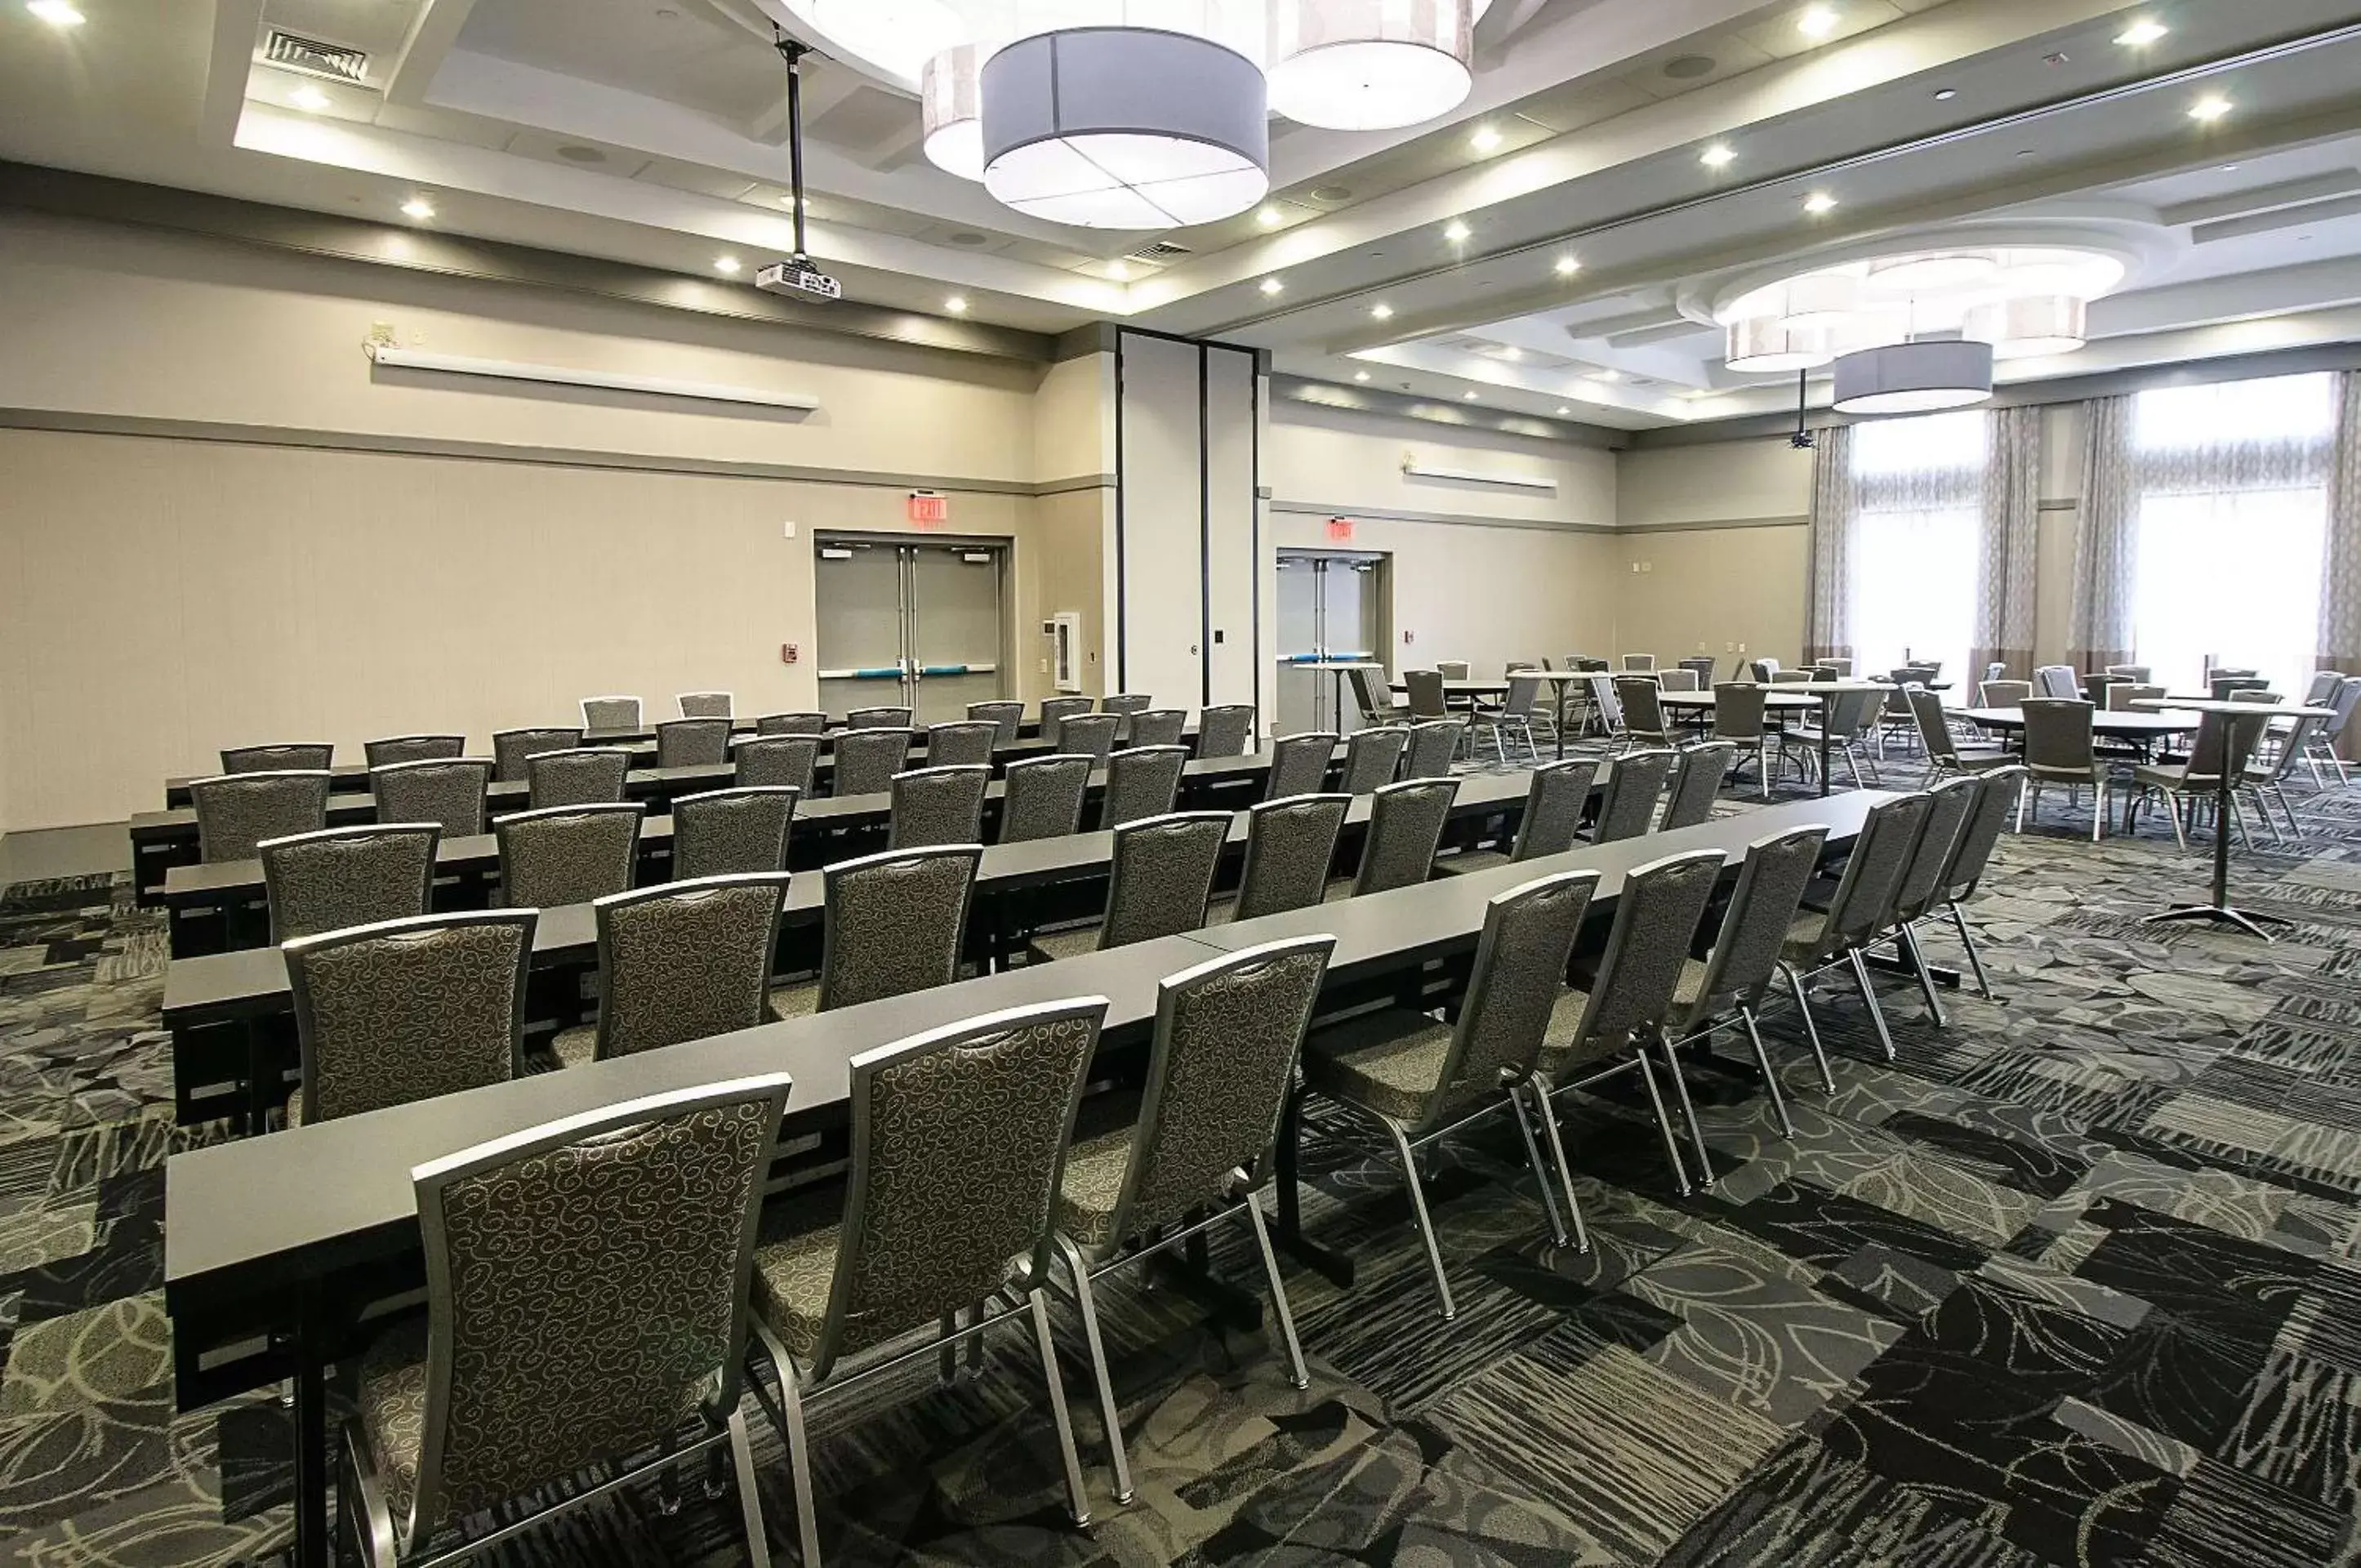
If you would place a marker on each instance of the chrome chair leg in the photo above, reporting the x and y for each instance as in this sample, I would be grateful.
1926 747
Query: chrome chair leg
750 1500
1550 1134
1689 1108
1296 1375
1418 1212
1975 962
1796 984
1665 1126
1518 1108
1077 1499
798 1442
1906 939
1869 997
1109 1413
1762 1060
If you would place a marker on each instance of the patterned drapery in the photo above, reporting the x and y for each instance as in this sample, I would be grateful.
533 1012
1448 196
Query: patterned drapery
2340 581
1836 508
2106 560
2011 523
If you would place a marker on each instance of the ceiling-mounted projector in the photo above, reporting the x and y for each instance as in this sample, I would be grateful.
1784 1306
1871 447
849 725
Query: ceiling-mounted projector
795 276
798 277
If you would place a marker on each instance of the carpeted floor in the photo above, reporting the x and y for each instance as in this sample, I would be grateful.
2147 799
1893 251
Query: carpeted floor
2078 1281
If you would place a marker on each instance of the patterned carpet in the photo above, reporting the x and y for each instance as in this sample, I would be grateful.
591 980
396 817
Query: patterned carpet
2078 1281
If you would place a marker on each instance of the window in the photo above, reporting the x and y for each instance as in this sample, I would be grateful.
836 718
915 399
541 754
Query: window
2233 486
1916 542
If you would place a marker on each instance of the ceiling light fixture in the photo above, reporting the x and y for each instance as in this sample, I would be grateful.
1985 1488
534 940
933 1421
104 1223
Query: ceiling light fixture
1766 346
418 207
1456 233
1816 22
1606 374
2209 109
1820 201
1945 94
1369 65
1382 311
1906 275
1563 411
1360 375
1918 375
1718 156
308 98
2142 33
951 110
1513 353
1469 397
1271 285
2031 326
1567 265
56 13
1268 217
726 265
1484 139
956 305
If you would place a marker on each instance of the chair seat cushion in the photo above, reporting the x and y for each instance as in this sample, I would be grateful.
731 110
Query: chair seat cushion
1094 1181
1803 938
1388 1061
794 1272
797 1000
1051 945
1471 862
2164 775
576 1046
1557 1038
295 1109
392 1400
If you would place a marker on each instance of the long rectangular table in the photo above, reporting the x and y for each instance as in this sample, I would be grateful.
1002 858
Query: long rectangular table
273 1244
1785 697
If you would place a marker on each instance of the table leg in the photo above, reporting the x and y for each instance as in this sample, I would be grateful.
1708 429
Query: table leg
1561 719
311 1533
1828 713
1287 1232
2219 911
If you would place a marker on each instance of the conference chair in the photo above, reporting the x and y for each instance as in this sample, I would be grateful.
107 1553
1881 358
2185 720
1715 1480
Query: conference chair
1515 715
2124 696
2059 750
1041 797
792 724
2004 694
1697 783
1701 668
867 759
958 1146
1003 717
2265 777
961 744
403 1010
587 775
1406 823
1608 1029
448 792
788 761
1158 727
2143 673
1425 689
1372 757
1054 708
1761 670
704 705
1681 680
2185 786
1088 735
347 876
1123 704
566 854
1228 1032
1433 744
1945 755
1160 885
1299 763
741 831
398 749
1141 782
1920 888
878 718
1637 698
2057 681
683 961
1417 1079
1606 708
1226 729
1628 808
236 812
511 749
1739 708
611 713
631 1358
1371 697
937 805
1290 843
1994 805
1639 662
279 759
1850 718
1841 666
1791 678
1554 802
693 742
890 923
1452 669
1843 933
2325 741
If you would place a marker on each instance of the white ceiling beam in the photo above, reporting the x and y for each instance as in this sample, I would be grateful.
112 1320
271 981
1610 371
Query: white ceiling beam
432 37
237 28
2263 199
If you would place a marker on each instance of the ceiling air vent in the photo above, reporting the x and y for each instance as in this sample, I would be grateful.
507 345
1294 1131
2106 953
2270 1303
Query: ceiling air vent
1161 250
310 55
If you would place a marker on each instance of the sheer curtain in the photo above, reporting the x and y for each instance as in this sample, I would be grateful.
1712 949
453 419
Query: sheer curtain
1917 541
1828 592
2012 538
2340 589
2106 523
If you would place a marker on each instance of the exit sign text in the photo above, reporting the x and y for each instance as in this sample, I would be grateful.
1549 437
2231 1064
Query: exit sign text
1340 528
929 506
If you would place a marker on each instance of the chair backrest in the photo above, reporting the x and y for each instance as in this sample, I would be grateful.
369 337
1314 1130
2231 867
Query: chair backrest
1452 669
1299 763
1228 1032
583 776
406 1010
741 831
1872 872
693 742
2140 673
611 713
1369 693
1042 798
704 705
1763 670
1425 690
348 876
1003 717
512 748
1555 803
2124 696
1088 735
1696 783
1126 702
2323 688
2057 736
1851 714
1934 731
1141 782
1226 729
1843 667
686 961
1920 886
300 757
2004 694
237 811
1738 711
1643 713
448 793
638 1320
1406 822
1372 757
397 749
1608 707
566 854
1638 661
1771 884
958 1140
1633 781
2256 694
2058 680
1656 917
1159 726
1054 708
2226 683
1290 845
1700 666
1994 805
1791 678
1681 680
937 805
966 743
2291 748
1163 876
878 718
892 922
792 724
1523 692
1433 744
1514 983
2348 698
792 761
867 759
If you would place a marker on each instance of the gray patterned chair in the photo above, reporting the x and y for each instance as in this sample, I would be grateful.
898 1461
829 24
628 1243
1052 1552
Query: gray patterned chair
1628 806
959 1141
1697 783
1419 1079
1223 1058
1945 755
1003 717
1054 708
1158 727
1160 881
878 718
1740 713
1041 797
1406 822
1607 1029
481 1404
237 811
1226 729
586 775
683 961
1299 763
1433 744
611 713
768 761
731 832
1372 757
704 705
396 749
406 1010
792 724
1423 692
1921 888
867 759
890 923
1641 701
347 876
961 745
1554 802
1124 705
449 792
693 742
512 748
566 854
1994 807
1141 782
300 757
937 805
1856 911
1088 735
2060 748
1291 844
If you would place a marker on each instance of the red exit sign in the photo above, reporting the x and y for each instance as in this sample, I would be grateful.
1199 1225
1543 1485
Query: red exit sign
929 506
1340 528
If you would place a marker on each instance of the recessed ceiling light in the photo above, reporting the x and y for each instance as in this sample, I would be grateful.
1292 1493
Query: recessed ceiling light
1820 201
1563 411
1816 22
788 201
1469 397
725 264
1945 94
1382 311
309 97
1119 271
1484 139
956 304
1512 352
1567 265
2142 33
1718 156
1272 285
1268 217
1456 233
1360 375
2209 109
56 13
1607 375
418 207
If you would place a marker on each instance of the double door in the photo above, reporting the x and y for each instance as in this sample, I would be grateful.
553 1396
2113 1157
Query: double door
1332 613
905 624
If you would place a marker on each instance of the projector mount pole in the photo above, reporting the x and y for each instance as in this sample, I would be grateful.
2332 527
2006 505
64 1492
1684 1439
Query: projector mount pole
1802 439
793 52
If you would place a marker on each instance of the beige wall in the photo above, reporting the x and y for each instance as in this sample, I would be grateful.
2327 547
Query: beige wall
1332 458
1721 550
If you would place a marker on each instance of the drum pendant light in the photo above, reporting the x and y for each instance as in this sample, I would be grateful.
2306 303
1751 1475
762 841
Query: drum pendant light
950 102
1368 65
1917 377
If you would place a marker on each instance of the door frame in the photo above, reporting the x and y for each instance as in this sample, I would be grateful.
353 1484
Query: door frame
1004 548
